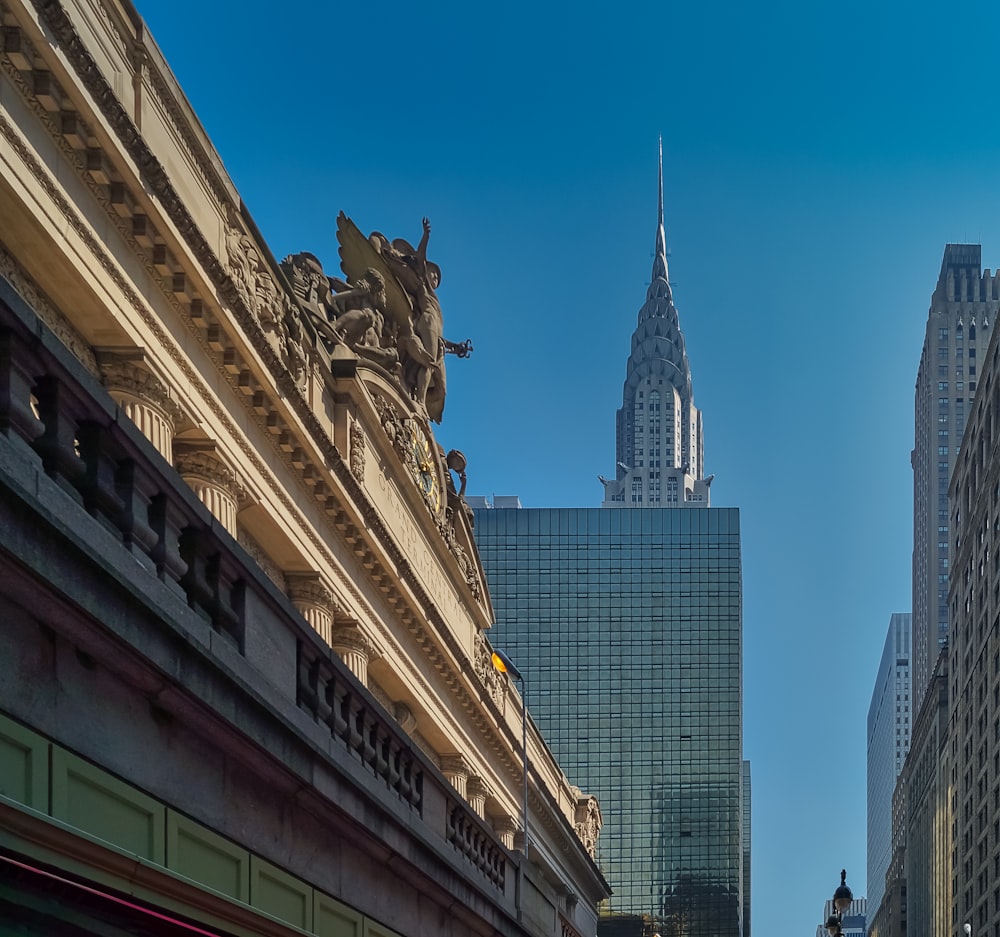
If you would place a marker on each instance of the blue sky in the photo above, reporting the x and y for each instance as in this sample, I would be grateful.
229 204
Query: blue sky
817 159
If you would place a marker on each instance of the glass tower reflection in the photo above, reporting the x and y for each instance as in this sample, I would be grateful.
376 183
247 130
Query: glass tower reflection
627 625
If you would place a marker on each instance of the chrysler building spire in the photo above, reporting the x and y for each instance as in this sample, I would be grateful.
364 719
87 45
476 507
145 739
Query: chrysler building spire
660 254
659 447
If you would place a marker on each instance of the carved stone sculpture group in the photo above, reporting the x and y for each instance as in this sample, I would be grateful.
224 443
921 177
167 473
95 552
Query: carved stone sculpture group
386 311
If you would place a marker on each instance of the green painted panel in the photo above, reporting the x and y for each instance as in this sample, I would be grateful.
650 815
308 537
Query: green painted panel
333 919
97 803
197 853
279 894
24 766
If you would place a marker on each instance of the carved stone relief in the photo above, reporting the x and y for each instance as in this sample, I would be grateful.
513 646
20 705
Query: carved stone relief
495 685
588 822
357 451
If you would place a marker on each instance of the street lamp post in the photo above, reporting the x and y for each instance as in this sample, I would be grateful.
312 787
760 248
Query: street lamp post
505 665
842 899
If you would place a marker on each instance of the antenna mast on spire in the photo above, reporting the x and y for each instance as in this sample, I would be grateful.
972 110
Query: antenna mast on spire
660 251
659 217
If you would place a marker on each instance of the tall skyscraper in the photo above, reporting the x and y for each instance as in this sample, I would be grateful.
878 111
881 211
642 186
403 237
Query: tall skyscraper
627 627
963 306
889 717
974 662
627 624
658 440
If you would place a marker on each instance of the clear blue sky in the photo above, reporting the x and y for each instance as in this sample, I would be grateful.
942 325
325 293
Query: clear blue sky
817 159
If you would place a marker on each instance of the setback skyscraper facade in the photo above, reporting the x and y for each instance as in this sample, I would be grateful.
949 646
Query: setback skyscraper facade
974 662
659 450
888 743
963 306
627 624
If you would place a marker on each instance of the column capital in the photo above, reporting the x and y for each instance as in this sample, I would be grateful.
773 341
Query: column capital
455 763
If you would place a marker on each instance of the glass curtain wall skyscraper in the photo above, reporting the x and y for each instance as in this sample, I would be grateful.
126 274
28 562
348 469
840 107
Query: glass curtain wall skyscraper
627 623
627 626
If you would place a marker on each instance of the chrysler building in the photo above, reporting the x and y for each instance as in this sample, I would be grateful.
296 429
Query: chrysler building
659 446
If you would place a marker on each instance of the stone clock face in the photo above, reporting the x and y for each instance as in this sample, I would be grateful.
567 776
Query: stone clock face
425 468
